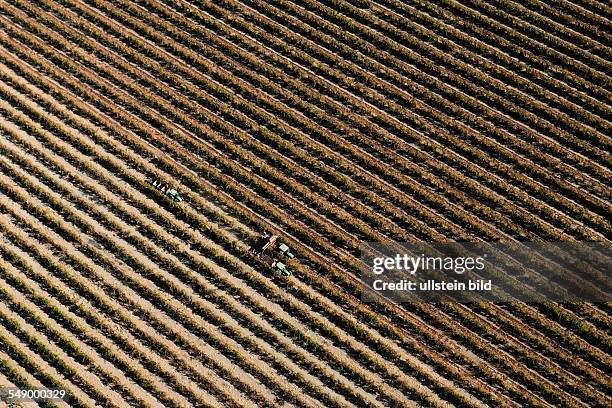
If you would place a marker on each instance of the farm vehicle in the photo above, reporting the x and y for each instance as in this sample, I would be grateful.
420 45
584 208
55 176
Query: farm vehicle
275 264
165 188
268 243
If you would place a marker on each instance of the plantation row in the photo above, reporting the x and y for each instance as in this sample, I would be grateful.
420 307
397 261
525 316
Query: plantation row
398 29
337 35
501 39
515 69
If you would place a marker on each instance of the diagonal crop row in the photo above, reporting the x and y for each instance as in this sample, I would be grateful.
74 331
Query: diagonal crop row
432 22
150 294
176 381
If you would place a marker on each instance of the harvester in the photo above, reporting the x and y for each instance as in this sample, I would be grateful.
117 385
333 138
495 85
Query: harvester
269 242
165 188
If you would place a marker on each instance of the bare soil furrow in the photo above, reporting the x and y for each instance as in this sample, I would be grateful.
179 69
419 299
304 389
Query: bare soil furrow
80 375
14 375
137 301
118 205
329 124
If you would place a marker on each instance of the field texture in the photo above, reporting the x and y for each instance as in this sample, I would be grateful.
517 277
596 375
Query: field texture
331 123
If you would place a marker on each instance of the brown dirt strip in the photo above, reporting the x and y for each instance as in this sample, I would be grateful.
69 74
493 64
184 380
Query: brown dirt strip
108 198
44 367
144 305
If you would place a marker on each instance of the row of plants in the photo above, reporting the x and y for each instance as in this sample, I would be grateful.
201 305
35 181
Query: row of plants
430 41
82 344
546 19
588 11
583 21
574 72
559 50
279 162
587 322
12 374
24 370
535 84
217 154
93 326
337 46
129 259
492 128
28 339
518 342
68 260
536 378
578 357
115 249
550 78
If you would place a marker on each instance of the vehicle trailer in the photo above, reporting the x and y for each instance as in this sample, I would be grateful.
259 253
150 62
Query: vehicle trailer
165 188
265 242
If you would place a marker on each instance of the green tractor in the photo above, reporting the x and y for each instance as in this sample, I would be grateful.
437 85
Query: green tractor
172 193
285 250
276 265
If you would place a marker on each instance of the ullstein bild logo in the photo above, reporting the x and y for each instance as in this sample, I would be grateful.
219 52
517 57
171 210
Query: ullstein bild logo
467 272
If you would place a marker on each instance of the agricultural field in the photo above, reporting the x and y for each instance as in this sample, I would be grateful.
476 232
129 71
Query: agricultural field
329 123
